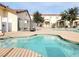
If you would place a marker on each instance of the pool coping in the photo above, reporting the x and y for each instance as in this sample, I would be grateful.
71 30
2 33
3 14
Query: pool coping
77 43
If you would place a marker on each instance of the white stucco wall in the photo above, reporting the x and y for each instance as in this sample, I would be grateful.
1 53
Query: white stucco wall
52 19
12 18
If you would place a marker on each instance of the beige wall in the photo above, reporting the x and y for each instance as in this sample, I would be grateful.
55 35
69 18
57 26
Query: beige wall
1 13
12 18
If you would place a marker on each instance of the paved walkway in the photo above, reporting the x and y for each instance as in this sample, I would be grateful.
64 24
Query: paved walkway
69 35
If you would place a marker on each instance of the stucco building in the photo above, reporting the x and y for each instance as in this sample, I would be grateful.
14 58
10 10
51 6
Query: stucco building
53 20
12 20
24 20
8 19
50 19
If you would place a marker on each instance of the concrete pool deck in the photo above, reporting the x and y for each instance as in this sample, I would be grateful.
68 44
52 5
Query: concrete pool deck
69 35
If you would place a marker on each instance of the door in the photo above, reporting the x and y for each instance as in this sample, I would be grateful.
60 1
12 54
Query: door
4 27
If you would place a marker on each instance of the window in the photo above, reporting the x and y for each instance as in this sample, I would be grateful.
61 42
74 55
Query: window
25 21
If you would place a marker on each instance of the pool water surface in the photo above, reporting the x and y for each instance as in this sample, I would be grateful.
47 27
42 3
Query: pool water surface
46 45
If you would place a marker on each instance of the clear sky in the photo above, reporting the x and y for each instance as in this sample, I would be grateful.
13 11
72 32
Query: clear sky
42 7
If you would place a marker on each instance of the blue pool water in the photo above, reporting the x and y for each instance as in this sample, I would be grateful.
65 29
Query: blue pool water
46 45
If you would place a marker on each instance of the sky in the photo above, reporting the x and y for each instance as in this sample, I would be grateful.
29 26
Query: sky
42 7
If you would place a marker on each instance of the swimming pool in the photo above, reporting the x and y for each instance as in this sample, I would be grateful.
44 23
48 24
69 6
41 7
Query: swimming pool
46 45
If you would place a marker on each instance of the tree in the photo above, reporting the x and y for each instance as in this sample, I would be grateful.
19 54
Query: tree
70 15
73 13
63 18
64 15
38 18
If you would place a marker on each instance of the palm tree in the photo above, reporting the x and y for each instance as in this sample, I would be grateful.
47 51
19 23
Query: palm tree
64 15
70 15
63 18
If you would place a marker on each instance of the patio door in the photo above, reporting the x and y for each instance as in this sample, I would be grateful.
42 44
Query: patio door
4 27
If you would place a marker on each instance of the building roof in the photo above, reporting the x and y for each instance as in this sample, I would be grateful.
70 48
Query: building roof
7 8
49 15
3 5
13 10
21 10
